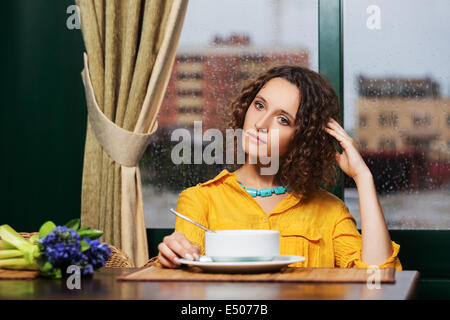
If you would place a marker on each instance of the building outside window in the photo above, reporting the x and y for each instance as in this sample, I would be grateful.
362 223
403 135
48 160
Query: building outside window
393 75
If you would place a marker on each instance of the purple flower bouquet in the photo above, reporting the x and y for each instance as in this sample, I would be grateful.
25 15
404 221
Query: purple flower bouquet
54 249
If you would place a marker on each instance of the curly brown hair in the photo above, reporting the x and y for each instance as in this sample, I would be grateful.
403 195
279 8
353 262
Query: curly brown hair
310 160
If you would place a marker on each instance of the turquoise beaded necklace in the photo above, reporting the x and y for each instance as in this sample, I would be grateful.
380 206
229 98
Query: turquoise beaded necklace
266 192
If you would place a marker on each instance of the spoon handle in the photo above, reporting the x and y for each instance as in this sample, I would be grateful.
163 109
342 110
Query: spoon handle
191 221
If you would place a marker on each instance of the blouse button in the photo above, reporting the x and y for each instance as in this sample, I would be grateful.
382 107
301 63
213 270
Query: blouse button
265 220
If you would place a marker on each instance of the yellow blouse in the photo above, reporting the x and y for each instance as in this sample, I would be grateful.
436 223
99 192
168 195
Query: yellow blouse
322 230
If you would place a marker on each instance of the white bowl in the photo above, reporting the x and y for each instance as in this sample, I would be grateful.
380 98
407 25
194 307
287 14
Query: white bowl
242 245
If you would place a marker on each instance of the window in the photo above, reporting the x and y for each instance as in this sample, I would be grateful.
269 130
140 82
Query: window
252 58
363 121
393 59
421 120
189 58
189 75
382 120
386 145
362 145
190 92
212 64
388 120
190 109
383 41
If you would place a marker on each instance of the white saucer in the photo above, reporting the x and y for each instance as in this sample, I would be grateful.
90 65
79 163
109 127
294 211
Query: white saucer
245 266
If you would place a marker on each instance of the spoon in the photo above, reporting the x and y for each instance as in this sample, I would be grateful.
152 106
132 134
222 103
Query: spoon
191 221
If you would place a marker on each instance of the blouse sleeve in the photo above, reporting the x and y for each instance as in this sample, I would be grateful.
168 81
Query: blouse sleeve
347 243
192 204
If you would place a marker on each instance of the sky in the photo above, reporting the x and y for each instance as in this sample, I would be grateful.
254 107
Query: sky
412 41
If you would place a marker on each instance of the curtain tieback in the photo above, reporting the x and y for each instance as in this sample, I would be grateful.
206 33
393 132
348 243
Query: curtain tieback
123 146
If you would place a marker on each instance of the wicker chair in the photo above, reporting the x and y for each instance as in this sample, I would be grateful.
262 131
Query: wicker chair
152 262
119 259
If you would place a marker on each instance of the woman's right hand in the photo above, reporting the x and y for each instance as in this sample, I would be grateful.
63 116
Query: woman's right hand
174 247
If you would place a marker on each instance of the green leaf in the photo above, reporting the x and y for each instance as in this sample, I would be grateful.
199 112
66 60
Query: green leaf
57 274
91 234
47 270
46 228
52 273
40 246
84 245
84 228
74 224
46 267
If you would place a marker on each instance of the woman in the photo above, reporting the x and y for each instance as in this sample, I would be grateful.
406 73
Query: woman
299 107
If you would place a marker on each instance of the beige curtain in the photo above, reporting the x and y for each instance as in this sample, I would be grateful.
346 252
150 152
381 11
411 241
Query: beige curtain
131 46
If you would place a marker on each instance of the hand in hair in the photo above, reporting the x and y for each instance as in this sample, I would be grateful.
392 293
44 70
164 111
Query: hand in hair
350 161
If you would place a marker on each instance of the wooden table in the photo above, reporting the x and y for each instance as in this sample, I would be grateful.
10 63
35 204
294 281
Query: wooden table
105 286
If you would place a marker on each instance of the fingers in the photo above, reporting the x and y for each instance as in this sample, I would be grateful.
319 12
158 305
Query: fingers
330 131
346 144
333 124
166 262
167 256
336 135
175 246
335 130
197 250
191 248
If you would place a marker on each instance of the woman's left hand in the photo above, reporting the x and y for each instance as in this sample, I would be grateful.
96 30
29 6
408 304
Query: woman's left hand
350 161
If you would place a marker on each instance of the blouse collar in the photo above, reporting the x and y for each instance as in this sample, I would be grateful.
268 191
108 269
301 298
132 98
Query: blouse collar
230 178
